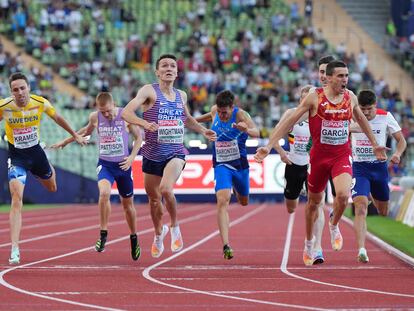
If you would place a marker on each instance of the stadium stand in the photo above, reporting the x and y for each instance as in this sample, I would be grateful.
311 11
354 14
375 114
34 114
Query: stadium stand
262 50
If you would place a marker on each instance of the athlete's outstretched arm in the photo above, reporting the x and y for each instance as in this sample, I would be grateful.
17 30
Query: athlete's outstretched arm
144 95
84 131
204 118
288 120
65 125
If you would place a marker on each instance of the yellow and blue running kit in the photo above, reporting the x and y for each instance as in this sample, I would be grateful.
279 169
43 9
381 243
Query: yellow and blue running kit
22 125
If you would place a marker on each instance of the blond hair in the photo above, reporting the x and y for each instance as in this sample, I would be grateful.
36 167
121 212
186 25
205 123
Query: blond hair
103 98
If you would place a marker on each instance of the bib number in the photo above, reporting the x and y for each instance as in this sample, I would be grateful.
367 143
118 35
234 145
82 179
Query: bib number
227 151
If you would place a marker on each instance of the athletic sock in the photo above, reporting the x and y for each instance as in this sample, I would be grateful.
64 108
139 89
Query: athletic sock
104 234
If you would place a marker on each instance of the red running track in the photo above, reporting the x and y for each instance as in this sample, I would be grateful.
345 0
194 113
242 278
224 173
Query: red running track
61 271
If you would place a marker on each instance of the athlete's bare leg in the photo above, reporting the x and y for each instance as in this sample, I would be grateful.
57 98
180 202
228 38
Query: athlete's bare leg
311 212
130 213
342 184
172 172
360 225
152 188
291 205
104 203
223 199
15 216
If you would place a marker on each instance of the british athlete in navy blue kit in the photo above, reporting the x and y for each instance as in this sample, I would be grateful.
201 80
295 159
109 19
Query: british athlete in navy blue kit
369 174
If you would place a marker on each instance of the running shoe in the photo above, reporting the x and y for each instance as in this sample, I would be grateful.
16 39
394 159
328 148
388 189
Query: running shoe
14 256
100 244
336 237
227 252
318 257
135 249
307 257
308 252
176 239
362 255
158 244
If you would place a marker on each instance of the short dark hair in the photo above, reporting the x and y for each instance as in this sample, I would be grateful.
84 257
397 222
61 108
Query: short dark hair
325 60
225 99
366 98
330 68
18 76
157 63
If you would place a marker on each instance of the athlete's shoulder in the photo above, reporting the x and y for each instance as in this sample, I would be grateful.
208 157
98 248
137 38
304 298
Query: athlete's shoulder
5 102
317 90
37 98
382 112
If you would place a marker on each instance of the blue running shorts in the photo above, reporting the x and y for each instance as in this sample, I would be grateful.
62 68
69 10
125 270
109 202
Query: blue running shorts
370 177
112 172
226 177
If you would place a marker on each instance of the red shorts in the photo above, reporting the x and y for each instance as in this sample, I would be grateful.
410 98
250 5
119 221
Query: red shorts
321 167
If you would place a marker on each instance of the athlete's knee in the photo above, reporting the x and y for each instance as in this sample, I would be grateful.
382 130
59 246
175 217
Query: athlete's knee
16 196
342 198
360 209
383 209
155 203
166 191
127 205
52 187
104 195
222 202
313 204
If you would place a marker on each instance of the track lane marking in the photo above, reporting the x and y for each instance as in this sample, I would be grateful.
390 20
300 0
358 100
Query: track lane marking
67 301
59 233
285 259
147 271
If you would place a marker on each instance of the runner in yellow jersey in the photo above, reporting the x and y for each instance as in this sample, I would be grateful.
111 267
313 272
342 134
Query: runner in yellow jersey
22 113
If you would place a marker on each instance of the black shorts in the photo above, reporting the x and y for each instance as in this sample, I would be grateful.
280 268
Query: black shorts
295 176
157 168
32 159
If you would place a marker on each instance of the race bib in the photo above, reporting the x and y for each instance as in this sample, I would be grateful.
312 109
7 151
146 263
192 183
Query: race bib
111 146
170 131
25 137
227 151
299 145
334 132
362 151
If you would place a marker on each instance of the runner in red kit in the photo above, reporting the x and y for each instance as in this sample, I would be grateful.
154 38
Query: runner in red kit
331 109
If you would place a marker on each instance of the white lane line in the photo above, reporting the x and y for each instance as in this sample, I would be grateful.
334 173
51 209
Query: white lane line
160 293
54 223
37 294
146 273
285 259
389 248
59 233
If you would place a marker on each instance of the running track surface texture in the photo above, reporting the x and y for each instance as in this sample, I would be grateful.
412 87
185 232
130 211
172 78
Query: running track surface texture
60 270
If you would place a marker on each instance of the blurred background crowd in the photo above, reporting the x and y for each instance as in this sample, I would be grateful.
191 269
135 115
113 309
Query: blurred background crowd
262 50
